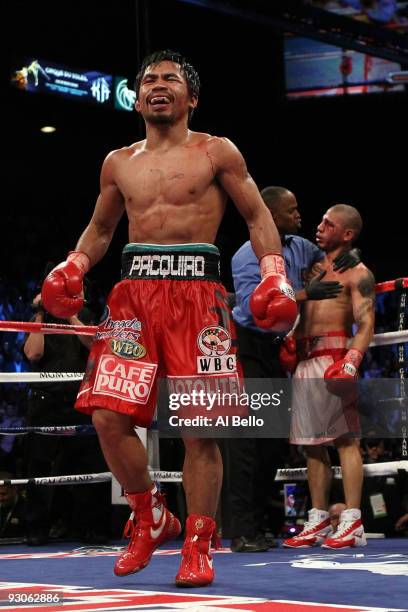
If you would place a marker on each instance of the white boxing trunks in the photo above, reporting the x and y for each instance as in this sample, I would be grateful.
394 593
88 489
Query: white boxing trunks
318 416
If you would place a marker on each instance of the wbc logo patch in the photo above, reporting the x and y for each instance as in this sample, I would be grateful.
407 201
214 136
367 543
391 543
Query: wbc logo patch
214 343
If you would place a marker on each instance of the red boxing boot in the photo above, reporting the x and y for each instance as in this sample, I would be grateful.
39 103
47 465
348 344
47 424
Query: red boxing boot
149 525
196 568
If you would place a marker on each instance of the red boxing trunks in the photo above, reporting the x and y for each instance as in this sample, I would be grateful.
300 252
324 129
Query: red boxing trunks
168 317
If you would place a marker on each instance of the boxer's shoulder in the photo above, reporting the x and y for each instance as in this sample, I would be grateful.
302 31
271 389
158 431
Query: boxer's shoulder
361 277
360 271
224 153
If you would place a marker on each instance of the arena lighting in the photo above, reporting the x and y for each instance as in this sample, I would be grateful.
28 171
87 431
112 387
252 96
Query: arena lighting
48 129
398 77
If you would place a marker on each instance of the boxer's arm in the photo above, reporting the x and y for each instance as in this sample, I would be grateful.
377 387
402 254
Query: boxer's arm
86 341
363 302
362 292
232 173
34 344
272 303
109 208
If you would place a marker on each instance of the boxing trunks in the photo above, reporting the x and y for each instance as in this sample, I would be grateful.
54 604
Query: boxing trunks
318 416
167 317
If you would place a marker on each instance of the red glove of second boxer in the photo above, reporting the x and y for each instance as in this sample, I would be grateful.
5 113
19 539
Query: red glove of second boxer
341 375
288 354
273 303
62 290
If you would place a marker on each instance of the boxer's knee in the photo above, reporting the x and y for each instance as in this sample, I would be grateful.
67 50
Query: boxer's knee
345 443
201 447
111 426
317 452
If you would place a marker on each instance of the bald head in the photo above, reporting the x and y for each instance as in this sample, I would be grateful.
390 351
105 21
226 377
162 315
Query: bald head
284 209
349 217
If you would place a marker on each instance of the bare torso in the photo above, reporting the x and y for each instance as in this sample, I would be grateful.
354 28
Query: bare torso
171 196
320 316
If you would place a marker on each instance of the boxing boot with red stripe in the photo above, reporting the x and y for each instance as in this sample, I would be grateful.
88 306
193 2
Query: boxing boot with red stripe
196 568
150 524
314 532
349 533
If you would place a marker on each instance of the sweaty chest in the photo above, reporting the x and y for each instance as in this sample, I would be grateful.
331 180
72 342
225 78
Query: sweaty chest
172 179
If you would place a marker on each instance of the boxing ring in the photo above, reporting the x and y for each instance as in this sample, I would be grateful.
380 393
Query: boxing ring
66 576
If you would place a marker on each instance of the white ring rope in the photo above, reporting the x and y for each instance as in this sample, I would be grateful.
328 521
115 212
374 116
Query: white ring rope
395 337
30 377
160 475
388 468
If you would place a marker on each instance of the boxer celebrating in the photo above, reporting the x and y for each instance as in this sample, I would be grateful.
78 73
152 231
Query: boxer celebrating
173 186
324 411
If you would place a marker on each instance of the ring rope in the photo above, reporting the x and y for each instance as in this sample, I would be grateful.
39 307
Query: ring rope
393 285
51 430
388 468
383 339
160 475
30 377
48 328
395 337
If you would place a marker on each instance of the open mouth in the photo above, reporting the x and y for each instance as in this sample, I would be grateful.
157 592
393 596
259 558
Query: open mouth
159 100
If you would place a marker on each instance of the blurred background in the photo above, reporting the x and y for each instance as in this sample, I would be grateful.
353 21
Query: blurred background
302 111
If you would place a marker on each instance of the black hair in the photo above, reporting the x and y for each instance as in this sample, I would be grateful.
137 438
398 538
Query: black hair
273 196
166 55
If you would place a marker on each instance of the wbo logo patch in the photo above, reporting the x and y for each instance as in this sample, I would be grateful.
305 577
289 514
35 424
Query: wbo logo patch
127 349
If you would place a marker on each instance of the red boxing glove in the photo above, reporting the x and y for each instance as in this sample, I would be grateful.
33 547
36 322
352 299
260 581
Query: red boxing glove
288 354
62 290
340 373
273 303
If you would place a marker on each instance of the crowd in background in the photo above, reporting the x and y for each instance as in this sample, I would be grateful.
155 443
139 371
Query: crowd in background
16 305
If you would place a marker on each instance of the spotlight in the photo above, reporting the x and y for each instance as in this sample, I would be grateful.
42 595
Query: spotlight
48 129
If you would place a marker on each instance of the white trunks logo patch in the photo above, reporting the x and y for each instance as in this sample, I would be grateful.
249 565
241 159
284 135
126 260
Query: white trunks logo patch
124 379
215 342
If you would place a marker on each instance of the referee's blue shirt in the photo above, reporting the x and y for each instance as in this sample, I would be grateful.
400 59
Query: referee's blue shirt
299 253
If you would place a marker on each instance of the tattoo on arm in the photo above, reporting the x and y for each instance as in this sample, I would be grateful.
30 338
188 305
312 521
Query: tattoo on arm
363 309
366 286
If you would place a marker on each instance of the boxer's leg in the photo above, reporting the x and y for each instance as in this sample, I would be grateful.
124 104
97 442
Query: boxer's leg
202 475
123 451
